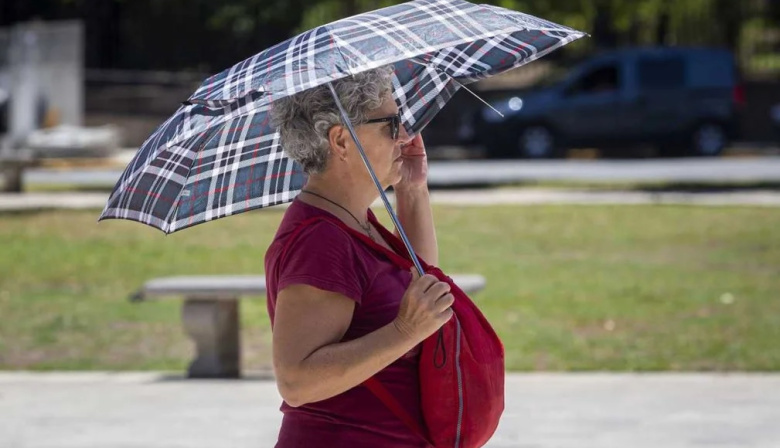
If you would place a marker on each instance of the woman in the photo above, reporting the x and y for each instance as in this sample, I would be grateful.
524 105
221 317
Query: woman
340 312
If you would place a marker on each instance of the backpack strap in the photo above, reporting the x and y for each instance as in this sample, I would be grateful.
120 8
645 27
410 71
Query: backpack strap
379 390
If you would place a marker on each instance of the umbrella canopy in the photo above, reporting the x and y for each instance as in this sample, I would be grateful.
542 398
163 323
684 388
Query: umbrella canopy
218 155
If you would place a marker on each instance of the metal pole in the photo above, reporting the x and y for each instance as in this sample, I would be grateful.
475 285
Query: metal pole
389 207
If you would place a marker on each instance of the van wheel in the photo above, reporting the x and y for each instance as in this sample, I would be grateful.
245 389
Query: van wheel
708 140
536 142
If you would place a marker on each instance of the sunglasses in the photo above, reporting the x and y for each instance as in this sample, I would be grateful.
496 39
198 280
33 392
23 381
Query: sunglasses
395 124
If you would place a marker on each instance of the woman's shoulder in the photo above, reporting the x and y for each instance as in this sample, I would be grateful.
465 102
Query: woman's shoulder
317 252
315 220
308 226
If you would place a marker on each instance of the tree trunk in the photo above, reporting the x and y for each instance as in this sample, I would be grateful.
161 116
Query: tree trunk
730 15
349 8
662 29
603 31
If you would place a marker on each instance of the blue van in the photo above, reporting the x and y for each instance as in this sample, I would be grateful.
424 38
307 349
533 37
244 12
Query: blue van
682 101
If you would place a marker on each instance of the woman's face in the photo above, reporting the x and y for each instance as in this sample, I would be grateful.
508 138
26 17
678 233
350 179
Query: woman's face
382 150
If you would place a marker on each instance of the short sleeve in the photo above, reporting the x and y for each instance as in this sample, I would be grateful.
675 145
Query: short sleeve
324 256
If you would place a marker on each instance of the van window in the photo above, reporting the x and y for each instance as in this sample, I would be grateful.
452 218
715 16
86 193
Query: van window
661 73
712 69
604 78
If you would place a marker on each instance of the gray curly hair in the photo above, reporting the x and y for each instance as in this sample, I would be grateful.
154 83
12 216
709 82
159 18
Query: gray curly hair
304 119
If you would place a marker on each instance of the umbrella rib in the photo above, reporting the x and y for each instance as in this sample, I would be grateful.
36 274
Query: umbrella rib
170 219
475 95
338 49
460 85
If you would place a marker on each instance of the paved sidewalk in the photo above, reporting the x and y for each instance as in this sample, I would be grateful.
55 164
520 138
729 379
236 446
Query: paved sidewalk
148 410
502 172
527 196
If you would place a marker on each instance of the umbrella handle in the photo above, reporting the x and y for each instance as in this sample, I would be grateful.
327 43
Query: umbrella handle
378 184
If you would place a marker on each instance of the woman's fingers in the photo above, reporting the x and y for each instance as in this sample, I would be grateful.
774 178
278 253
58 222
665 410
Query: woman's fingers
425 307
437 290
424 283
445 302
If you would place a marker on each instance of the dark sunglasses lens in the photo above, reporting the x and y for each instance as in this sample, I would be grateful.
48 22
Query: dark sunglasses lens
396 126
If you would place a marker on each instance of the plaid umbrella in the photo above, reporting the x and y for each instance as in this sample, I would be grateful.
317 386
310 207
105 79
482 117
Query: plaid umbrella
218 155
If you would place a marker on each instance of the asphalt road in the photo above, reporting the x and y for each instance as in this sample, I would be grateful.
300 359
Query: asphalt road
484 172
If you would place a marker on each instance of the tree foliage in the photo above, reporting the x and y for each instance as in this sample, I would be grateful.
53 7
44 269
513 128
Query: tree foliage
209 35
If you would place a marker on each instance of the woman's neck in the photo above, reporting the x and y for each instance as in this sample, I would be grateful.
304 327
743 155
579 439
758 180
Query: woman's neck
355 199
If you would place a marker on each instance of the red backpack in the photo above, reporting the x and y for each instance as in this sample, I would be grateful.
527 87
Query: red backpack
461 365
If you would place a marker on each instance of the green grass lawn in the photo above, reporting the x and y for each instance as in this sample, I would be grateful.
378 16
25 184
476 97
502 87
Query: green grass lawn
569 287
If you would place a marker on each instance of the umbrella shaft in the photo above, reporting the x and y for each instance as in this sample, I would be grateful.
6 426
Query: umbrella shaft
378 184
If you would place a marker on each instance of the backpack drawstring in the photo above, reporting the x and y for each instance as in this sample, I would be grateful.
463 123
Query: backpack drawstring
440 348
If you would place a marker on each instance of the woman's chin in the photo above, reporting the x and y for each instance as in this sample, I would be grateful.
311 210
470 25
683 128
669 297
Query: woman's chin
390 181
396 177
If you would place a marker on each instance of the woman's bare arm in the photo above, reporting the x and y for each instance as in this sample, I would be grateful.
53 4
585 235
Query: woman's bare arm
413 201
416 216
310 362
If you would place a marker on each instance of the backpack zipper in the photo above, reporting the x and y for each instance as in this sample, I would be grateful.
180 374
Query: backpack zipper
460 383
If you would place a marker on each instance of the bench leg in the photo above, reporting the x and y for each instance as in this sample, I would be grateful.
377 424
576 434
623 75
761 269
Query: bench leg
213 325
12 182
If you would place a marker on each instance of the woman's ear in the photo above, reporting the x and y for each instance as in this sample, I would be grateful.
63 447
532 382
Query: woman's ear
338 137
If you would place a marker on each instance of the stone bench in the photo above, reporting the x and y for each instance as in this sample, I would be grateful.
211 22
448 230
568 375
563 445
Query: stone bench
211 318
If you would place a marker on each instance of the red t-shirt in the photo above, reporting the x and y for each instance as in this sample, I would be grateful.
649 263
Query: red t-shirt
327 257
